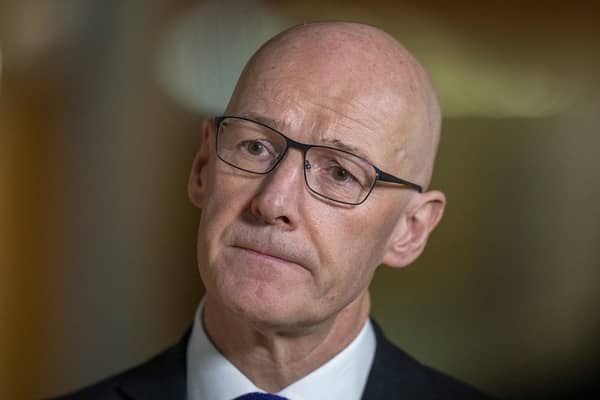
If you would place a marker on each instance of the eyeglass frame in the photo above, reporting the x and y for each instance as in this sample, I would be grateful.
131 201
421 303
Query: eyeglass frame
380 175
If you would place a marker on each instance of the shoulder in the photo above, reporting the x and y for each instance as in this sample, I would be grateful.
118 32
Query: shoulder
394 373
163 376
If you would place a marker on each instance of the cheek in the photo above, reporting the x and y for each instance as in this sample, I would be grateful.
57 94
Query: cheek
350 251
224 203
227 194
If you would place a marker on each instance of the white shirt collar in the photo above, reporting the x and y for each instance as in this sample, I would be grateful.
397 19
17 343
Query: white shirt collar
210 376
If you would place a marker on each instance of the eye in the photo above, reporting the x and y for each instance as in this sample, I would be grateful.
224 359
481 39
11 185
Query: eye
340 174
254 147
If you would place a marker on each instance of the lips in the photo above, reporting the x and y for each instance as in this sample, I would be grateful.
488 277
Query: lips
269 242
263 255
270 252
275 249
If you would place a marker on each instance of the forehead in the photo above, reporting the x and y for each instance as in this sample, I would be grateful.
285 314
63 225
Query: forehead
316 105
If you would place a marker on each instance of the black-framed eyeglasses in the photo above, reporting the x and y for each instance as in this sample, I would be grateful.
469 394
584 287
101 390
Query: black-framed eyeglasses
331 173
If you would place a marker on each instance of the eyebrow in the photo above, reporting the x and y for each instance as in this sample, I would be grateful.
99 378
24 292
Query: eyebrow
338 144
270 122
281 126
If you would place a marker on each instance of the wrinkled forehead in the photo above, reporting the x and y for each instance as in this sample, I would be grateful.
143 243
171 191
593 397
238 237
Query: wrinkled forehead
306 114
330 93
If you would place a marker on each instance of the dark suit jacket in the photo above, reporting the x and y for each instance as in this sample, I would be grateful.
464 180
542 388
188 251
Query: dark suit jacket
394 375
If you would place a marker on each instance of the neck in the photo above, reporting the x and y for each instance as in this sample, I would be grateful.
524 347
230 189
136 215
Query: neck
273 359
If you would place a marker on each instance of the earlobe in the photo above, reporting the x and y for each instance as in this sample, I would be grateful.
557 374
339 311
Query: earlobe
410 236
197 181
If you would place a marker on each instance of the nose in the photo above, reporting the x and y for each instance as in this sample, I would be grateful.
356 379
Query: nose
278 199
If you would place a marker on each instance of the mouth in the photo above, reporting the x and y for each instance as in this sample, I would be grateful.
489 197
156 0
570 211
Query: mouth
268 255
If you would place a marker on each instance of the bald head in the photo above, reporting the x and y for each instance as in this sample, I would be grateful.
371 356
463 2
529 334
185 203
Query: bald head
354 77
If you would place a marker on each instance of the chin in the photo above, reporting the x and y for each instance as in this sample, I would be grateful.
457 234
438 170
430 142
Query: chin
268 295
269 308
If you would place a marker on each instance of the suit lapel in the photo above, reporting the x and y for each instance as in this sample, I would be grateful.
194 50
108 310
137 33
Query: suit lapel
163 377
394 374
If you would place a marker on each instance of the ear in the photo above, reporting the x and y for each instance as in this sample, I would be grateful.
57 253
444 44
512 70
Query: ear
423 212
198 179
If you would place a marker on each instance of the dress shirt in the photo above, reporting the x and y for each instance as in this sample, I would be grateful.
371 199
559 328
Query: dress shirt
210 376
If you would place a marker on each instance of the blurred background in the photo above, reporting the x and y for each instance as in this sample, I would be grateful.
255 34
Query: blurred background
100 111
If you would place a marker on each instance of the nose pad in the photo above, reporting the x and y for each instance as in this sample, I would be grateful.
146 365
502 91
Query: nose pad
307 165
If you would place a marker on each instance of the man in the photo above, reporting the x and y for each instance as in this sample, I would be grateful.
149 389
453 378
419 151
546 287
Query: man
297 214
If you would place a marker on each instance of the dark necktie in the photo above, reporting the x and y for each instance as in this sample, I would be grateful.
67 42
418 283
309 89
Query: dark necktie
259 396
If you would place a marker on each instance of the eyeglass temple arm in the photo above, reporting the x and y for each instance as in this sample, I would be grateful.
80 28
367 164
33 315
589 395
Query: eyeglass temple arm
218 121
385 177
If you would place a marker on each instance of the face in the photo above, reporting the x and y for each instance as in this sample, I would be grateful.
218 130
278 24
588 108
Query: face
271 251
